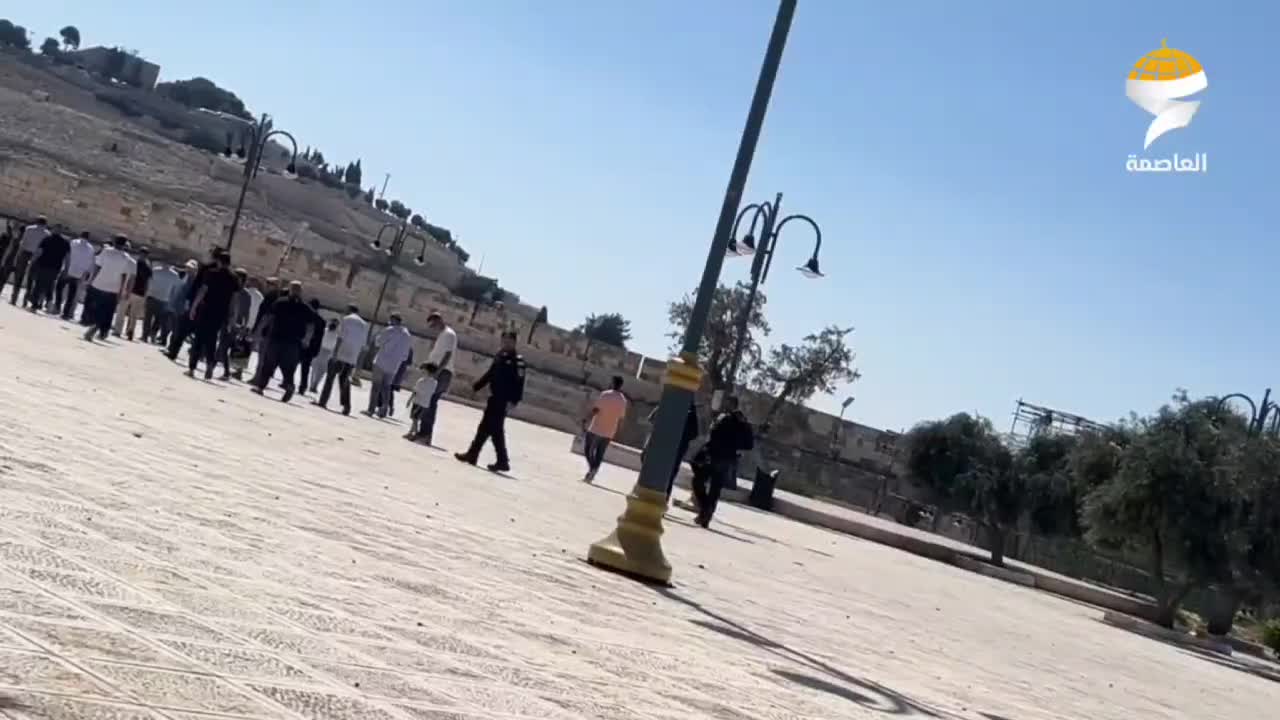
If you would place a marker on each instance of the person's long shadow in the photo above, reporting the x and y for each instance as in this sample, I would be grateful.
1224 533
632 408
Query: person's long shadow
860 691
8 702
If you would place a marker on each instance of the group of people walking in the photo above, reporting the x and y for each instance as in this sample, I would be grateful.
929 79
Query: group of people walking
225 316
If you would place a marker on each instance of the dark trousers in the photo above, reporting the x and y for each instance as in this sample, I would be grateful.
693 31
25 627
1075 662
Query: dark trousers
101 308
65 295
492 426
305 377
182 329
42 287
427 422
282 356
205 347
225 338
341 372
593 448
156 316
21 261
708 480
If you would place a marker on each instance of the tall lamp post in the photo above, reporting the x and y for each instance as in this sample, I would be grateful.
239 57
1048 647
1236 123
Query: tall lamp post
1258 412
765 215
835 429
259 134
635 545
399 235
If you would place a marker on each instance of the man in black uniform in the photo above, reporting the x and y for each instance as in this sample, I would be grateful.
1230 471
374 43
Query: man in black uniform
730 434
209 313
505 379
285 327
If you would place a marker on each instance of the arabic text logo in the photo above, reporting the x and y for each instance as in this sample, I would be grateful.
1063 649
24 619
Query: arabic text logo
1158 80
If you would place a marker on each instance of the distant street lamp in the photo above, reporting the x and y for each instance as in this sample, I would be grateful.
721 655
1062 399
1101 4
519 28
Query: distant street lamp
635 545
835 429
393 251
765 215
259 134
1258 412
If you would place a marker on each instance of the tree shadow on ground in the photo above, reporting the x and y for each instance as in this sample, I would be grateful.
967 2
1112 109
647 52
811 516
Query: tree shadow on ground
1259 668
860 691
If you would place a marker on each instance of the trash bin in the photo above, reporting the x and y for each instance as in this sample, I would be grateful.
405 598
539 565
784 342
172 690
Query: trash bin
762 489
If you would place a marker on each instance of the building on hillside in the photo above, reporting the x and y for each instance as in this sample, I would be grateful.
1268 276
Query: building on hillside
118 65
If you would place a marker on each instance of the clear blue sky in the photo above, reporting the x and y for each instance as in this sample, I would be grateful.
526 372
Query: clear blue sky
966 162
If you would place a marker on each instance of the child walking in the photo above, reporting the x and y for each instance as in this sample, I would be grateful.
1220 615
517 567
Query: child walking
421 399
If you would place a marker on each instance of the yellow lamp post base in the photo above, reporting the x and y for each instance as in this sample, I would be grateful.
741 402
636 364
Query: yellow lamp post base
635 547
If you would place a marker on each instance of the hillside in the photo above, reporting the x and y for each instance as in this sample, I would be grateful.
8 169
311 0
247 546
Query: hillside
74 128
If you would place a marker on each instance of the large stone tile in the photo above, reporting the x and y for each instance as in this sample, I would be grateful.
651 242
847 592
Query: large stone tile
150 621
319 705
36 706
31 602
388 684
84 585
95 643
239 661
164 688
40 672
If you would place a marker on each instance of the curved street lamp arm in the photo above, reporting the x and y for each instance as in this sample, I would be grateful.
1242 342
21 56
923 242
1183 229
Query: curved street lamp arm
1253 407
261 147
777 232
761 209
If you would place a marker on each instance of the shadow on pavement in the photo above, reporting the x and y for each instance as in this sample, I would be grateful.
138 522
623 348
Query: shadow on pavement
10 703
862 692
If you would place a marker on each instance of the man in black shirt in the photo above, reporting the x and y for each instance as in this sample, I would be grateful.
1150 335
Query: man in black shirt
315 336
45 267
285 327
133 307
505 380
210 311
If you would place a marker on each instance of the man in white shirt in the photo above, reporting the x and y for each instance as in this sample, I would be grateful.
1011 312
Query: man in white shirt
352 334
394 344
111 276
20 260
442 355
75 273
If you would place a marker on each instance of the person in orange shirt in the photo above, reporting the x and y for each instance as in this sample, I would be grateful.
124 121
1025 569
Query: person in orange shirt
606 415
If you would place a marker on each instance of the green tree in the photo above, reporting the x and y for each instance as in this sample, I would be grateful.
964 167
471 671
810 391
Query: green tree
609 328
795 373
353 173
368 196
201 92
418 222
51 48
14 36
1173 497
478 289
381 204
399 210
70 37
715 352
1045 465
966 467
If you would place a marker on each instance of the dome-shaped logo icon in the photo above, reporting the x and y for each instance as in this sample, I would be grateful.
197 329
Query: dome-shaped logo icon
1157 81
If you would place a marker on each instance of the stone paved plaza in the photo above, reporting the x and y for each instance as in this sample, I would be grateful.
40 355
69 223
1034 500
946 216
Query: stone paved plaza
181 549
